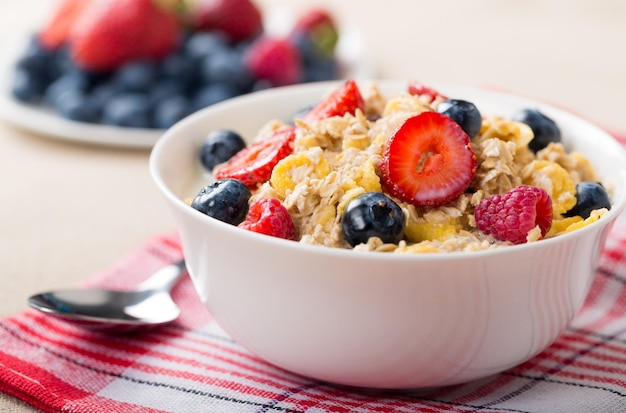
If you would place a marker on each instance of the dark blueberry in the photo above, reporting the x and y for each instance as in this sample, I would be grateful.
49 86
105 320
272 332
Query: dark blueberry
27 87
321 70
165 89
129 110
544 128
309 51
179 67
219 146
100 96
38 61
136 76
202 44
372 214
212 94
170 110
464 113
75 105
226 200
589 196
226 67
71 83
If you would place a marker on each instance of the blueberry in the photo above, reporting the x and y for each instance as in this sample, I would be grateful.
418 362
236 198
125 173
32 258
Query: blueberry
129 110
219 146
100 96
136 76
226 200
212 94
226 67
544 128
76 106
589 196
464 113
73 82
179 67
27 87
38 61
170 110
321 70
165 89
372 214
201 44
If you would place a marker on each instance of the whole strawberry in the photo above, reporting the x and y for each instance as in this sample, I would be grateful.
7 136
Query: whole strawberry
109 33
274 59
237 19
57 29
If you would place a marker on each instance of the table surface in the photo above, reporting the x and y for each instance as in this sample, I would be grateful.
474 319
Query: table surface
69 210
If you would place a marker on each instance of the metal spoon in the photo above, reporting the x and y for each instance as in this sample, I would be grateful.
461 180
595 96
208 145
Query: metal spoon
149 305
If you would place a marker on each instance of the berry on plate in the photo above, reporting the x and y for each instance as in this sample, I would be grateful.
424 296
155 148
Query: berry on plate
268 216
254 164
57 29
372 214
238 19
110 33
345 99
428 161
316 31
274 59
513 215
226 200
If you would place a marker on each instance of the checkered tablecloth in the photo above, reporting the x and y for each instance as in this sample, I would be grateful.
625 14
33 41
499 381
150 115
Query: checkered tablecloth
193 366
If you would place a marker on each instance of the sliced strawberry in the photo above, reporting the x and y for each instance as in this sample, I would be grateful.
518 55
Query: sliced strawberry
268 216
428 161
57 29
346 99
254 164
420 89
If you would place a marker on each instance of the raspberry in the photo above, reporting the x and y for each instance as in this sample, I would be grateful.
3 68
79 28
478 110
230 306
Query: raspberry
268 216
512 215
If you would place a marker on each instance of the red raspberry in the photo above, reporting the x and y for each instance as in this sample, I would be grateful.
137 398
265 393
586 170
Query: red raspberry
510 216
270 217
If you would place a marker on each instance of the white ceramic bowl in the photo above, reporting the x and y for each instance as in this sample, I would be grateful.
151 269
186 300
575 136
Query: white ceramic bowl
373 319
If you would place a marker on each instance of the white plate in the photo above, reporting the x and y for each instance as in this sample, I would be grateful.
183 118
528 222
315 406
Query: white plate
351 53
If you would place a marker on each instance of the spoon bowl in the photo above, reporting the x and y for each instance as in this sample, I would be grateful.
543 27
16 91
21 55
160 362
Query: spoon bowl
149 305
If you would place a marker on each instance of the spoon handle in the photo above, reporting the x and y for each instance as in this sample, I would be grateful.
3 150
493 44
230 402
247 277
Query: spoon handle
165 278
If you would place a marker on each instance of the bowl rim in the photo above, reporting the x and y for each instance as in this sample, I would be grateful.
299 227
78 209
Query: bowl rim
159 148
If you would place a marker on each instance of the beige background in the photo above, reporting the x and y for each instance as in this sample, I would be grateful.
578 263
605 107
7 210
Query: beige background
68 210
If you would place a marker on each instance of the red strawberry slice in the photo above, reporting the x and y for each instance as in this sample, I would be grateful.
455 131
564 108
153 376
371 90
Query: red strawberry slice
346 99
254 164
420 89
428 161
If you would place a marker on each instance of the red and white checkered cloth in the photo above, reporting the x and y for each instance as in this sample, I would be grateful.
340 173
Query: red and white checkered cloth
193 366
